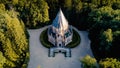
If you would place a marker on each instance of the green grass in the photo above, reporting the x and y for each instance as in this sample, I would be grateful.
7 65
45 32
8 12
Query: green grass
75 40
44 39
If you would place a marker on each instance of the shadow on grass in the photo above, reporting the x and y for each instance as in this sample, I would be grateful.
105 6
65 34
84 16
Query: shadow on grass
44 39
75 40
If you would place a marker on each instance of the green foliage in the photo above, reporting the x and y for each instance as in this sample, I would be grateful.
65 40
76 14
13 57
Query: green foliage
108 35
14 2
106 2
77 4
75 40
77 11
115 48
116 5
103 22
44 39
2 6
102 15
54 7
83 15
13 41
96 2
33 13
97 16
89 62
68 4
2 58
106 39
109 63
104 18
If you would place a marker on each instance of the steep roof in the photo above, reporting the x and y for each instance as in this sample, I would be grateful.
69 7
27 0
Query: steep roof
60 21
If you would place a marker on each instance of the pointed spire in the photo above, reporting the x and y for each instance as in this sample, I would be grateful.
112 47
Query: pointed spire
60 21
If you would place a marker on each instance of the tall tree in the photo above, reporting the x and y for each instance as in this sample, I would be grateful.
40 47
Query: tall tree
13 41
54 7
106 39
88 62
33 13
103 22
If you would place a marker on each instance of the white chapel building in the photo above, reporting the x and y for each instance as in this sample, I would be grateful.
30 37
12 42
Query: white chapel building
60 33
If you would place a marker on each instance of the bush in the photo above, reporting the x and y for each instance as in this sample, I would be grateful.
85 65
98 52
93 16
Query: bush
109 63
88 62
14 44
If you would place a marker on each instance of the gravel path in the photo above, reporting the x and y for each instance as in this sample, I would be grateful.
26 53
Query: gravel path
39 54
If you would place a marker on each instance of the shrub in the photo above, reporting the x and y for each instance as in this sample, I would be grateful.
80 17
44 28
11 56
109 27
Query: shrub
89 62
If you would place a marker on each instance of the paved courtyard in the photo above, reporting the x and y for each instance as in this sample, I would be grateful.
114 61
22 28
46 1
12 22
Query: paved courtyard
39 54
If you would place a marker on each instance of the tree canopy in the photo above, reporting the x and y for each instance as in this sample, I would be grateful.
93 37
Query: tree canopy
14 50
33 12
109 63
103 25
89 62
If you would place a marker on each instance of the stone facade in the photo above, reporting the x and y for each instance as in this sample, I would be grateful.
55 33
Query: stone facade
60 33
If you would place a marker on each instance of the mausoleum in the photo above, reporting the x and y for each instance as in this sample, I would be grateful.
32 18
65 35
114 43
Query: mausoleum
60 34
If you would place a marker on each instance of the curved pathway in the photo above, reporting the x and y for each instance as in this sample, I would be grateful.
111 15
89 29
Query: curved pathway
39 54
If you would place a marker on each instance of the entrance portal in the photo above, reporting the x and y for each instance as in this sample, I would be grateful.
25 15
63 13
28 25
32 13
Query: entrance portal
54 50
60 45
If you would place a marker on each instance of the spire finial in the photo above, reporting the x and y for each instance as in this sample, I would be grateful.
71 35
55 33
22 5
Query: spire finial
60 9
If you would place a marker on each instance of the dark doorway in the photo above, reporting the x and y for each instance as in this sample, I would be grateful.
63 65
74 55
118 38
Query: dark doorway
60 45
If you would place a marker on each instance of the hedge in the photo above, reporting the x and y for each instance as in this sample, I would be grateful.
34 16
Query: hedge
75 40
44 40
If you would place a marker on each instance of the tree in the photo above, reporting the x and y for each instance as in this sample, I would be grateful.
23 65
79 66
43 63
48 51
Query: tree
115 48
103 22
2 6
14 49
2 58
88 62
33 13
96 2
77 5
54 7
109 63
68 4
84 15
116 5
104 17
106 39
